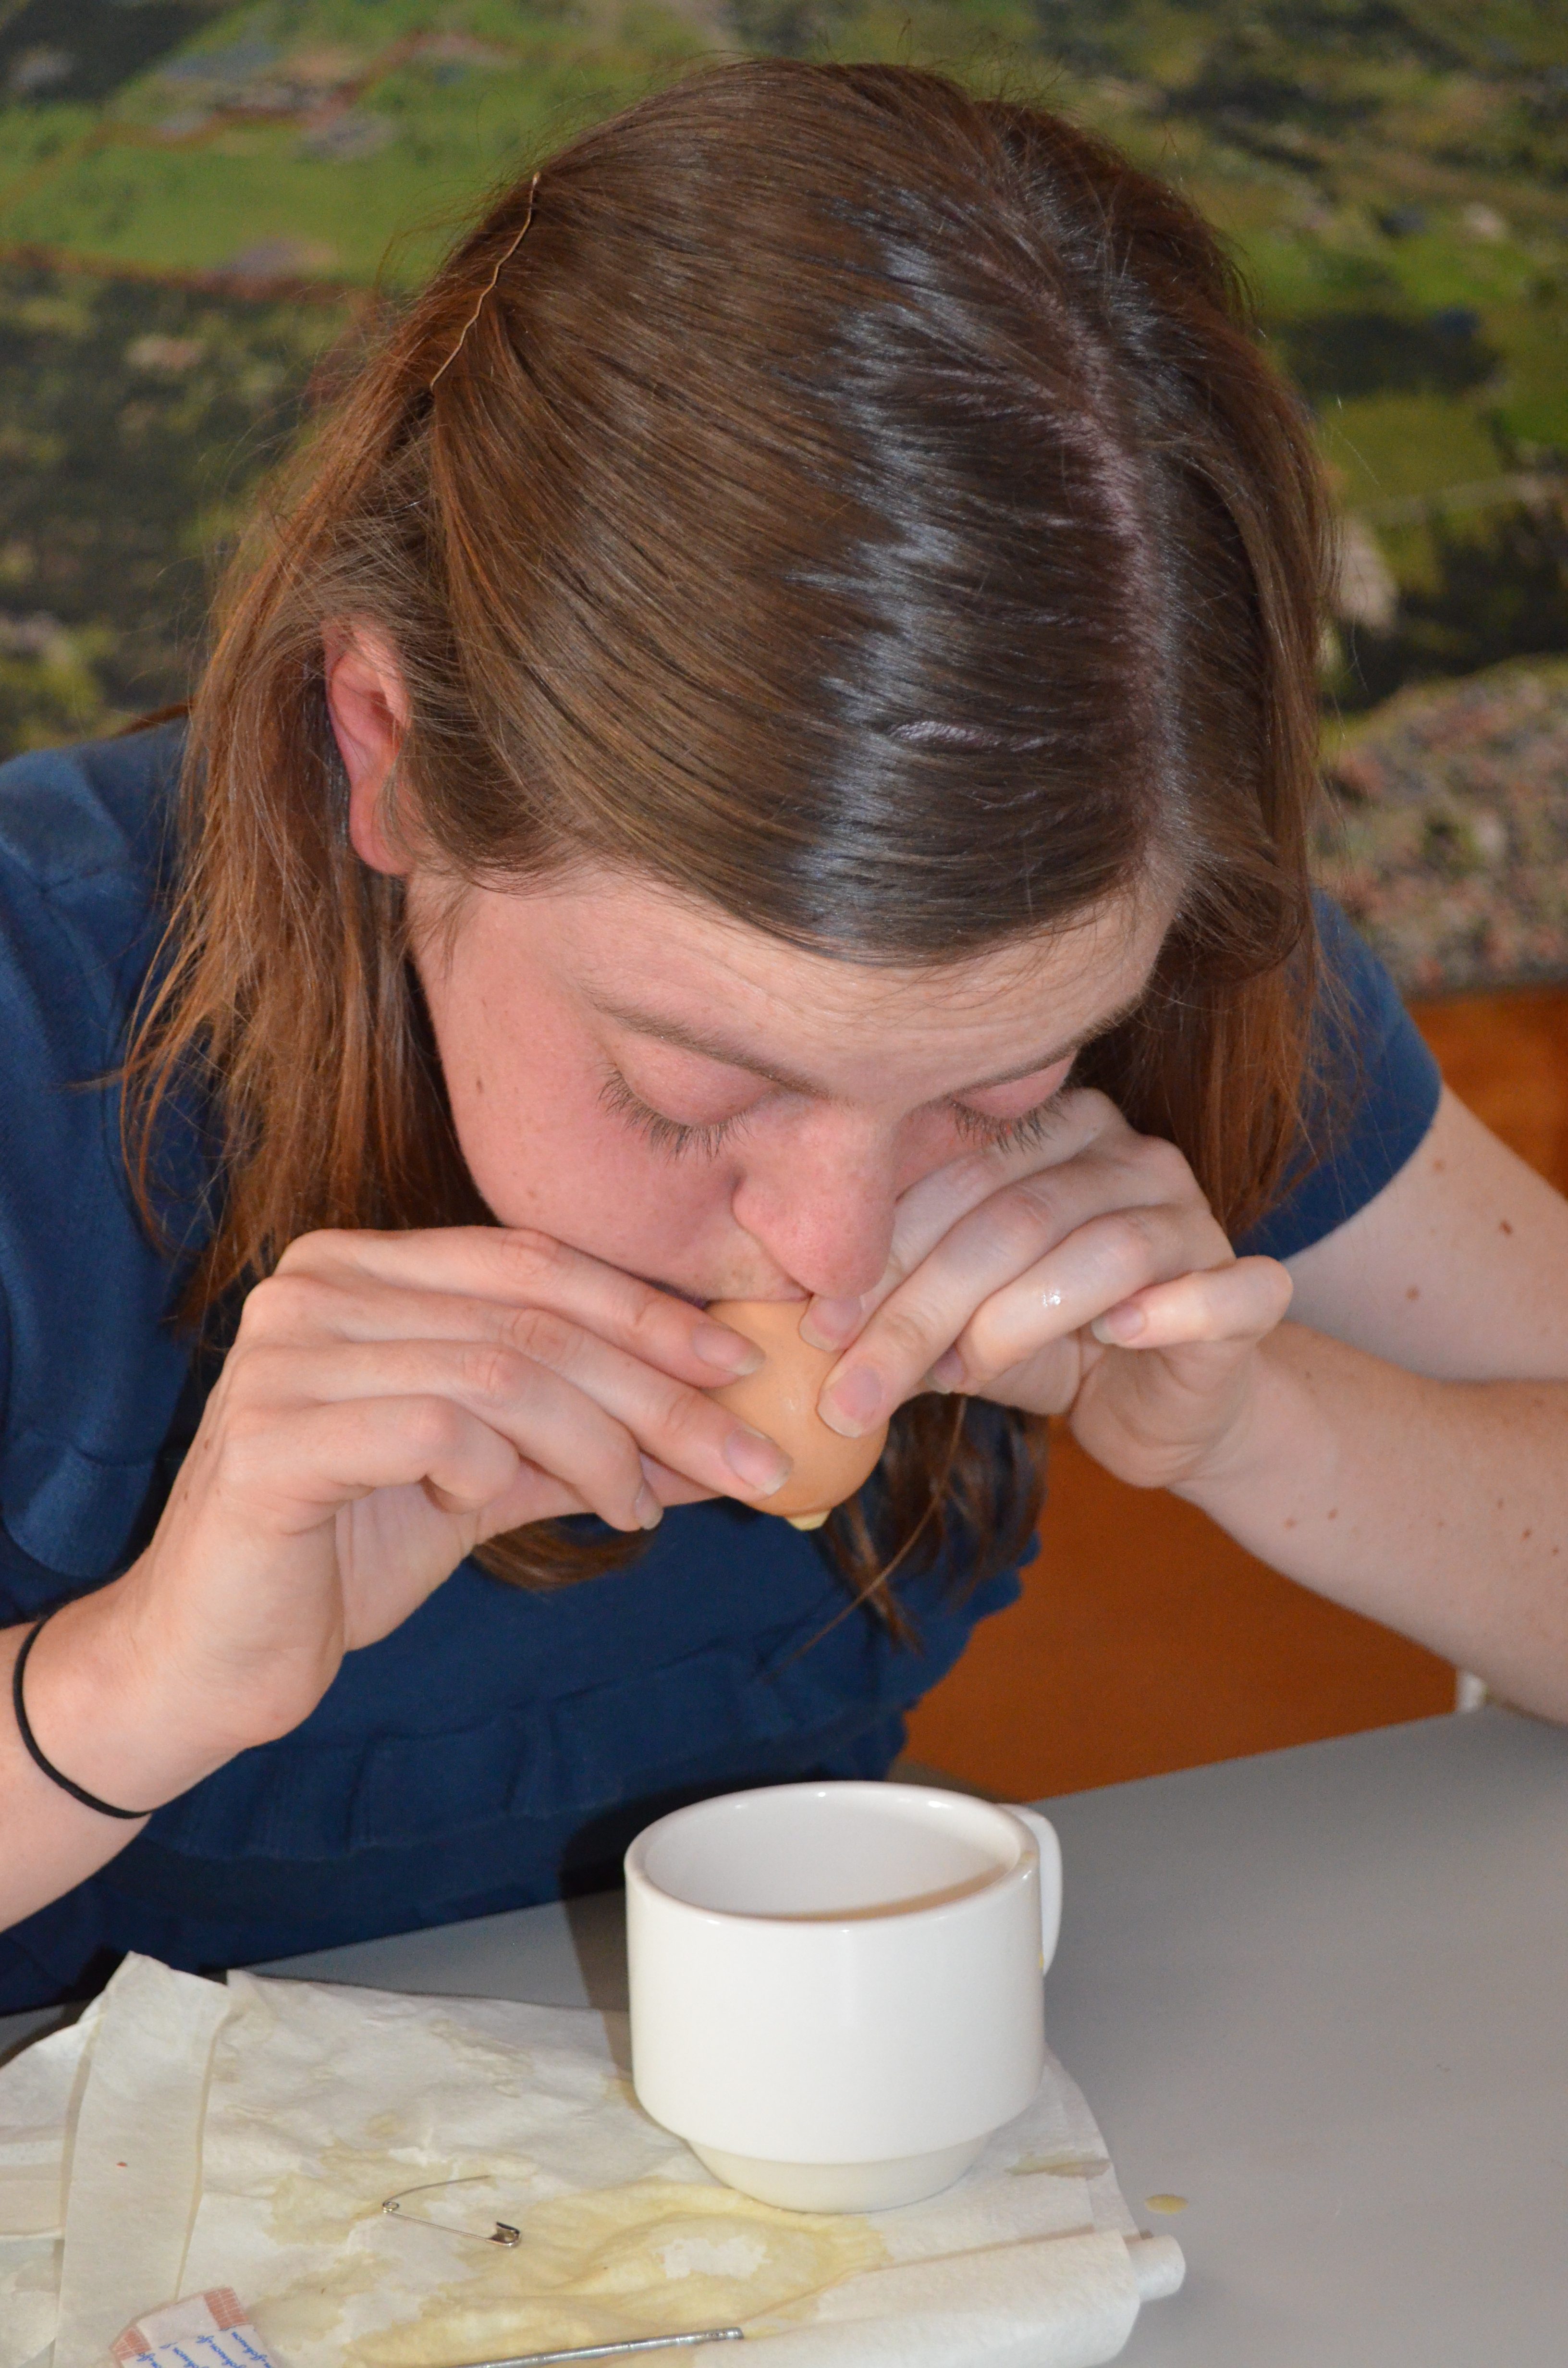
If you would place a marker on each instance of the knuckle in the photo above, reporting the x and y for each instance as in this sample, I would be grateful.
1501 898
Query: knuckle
244 1454
257 1375
1033 1200
685 1416
907 1331
285 1303
980 1346
1124 1244
647 1313
491 1370
540 1335
1026 1218
973 1172
1161 1163
433 1426
1087 1102
529 1255
327 1242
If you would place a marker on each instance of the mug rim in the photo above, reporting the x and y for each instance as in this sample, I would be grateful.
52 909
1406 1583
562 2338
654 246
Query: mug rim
637 1873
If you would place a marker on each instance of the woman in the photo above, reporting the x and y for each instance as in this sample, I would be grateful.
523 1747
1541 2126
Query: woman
764 752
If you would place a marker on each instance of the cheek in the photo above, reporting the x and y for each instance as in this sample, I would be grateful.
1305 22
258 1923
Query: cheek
543 1152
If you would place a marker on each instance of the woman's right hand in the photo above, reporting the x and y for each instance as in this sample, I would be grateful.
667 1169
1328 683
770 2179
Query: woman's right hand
391 1401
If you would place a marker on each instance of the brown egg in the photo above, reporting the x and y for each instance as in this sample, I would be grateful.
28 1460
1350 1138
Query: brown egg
780 1398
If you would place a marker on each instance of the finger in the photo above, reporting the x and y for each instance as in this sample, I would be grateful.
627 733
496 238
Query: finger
541 1416
1240 1303
967 1313
570 1402
1102 1264
932 1207
304 1466
494 1272
674 1487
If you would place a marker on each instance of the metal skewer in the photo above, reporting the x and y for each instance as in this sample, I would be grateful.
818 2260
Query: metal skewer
616 2351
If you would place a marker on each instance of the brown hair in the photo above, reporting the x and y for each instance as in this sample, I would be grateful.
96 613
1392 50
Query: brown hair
864 506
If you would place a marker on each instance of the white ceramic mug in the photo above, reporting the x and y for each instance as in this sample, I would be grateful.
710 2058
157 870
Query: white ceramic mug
835 1988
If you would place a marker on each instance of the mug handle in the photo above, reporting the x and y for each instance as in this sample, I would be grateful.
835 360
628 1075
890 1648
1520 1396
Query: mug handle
1043 1834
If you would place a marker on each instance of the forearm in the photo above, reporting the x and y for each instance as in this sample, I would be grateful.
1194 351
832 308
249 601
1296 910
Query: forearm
99 1715
1438 1507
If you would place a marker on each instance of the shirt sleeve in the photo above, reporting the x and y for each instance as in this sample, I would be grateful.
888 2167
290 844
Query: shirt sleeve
1371 1097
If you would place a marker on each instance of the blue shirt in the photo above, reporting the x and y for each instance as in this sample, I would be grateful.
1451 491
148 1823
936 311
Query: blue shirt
501 1745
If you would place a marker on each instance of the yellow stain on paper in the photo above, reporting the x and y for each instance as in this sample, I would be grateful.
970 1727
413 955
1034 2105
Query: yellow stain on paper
1057 2166
655 2256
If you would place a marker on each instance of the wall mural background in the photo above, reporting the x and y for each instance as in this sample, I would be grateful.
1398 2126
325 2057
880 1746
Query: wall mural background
195 201
198 202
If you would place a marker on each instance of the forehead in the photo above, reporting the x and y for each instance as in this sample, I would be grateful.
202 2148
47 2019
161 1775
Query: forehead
624 945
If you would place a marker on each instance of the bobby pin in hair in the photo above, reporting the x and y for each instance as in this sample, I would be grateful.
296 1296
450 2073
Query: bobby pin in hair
489 286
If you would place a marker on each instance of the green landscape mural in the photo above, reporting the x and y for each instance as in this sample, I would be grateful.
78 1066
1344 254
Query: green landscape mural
197 202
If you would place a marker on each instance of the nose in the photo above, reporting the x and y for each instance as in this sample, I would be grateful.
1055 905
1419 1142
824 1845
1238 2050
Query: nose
824 1214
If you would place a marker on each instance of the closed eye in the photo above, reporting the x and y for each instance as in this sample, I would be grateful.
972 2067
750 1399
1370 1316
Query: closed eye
679 1139
1022 1133
670 1135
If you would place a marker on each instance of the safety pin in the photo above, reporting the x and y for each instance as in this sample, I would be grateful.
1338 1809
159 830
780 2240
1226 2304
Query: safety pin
503 2234
616 2351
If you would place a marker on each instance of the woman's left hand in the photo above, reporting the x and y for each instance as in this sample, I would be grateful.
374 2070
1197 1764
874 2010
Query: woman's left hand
1088 1277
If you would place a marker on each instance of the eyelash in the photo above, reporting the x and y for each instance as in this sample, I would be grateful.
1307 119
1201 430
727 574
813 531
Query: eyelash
1007 1134
665 1135
675 1140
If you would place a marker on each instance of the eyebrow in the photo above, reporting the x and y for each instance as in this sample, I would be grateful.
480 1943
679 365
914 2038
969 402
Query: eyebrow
712 1046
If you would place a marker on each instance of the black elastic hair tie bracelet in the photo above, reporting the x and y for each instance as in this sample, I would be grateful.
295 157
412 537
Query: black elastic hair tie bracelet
77 1792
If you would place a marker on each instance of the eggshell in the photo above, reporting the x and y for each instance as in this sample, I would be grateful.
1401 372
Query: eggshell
780 1398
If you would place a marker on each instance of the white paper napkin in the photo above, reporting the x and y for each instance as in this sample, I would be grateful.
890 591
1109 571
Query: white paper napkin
41 2092
250 2137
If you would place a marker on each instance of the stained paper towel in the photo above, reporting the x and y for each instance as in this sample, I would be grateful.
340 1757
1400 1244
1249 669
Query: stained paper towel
322 2102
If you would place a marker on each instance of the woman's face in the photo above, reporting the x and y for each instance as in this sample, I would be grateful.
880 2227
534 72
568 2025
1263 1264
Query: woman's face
685 1098
645 1079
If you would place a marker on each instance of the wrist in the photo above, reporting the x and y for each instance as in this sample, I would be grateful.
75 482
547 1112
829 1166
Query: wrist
105 1715
1276 1434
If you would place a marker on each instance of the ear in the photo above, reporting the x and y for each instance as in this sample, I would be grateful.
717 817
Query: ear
368 702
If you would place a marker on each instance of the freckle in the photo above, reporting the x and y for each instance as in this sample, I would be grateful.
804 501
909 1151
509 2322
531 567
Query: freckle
1334 1514
479 1086
1414 1292
1440 1168
1523 1535
1504 1226
1499 1504
1290 1520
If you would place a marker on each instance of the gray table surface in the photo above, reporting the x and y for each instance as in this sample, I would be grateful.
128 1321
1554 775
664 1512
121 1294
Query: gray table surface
1322 1993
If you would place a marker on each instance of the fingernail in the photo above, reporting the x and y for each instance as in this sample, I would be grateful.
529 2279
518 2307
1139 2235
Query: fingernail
829 1323
854 1401
948 1372
730 1351
756 1461
647 1510
1119 1324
